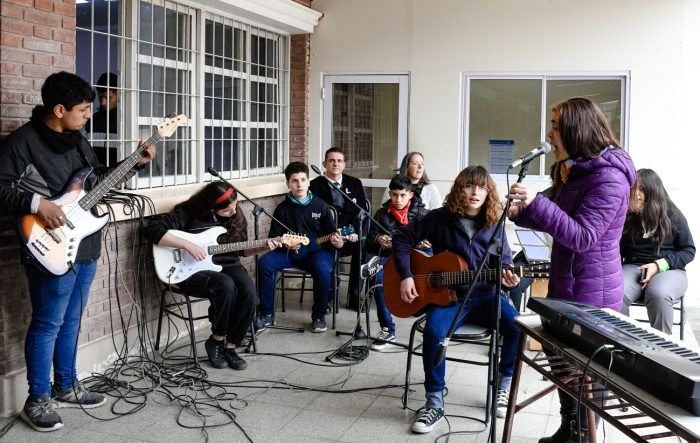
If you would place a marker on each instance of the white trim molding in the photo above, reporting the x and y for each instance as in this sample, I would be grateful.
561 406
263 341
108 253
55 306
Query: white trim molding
284 15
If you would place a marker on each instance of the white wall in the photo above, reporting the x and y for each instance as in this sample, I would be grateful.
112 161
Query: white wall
435 41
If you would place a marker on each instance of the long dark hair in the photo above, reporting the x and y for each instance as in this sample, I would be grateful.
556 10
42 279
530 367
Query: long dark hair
210 199
654 216
403 169
584 131
456 200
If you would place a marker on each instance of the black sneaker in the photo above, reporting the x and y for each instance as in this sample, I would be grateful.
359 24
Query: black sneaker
318 325
39 413
262 321
426 419
215 351
502 397
383 337
234 360
76 396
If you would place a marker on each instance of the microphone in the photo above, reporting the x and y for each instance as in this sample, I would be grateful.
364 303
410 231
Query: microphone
543 148
316 170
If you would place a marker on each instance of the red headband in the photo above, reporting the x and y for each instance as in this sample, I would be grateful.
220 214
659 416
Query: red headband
224 196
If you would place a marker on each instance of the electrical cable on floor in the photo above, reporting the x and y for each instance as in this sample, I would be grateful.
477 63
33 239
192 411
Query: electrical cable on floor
135 375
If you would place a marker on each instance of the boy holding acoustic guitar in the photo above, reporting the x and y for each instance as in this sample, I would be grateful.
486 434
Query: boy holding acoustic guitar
462 226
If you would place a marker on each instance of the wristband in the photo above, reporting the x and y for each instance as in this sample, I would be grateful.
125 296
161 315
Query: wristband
36 199
662 264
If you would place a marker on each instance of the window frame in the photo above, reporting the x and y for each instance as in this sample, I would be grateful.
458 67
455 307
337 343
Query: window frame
623 76
193 153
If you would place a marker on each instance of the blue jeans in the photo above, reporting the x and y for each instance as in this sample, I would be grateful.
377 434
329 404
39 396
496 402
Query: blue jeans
479 311
52 337
319 264
383 314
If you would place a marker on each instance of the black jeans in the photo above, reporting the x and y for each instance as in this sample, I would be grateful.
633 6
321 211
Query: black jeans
232 297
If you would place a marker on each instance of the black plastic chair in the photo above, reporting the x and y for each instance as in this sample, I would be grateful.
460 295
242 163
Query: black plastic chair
467 333
174 307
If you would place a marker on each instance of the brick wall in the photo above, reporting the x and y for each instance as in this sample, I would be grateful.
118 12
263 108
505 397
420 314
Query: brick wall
37 38
299 100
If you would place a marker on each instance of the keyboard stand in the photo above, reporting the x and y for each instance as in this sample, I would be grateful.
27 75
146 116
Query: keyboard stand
636 413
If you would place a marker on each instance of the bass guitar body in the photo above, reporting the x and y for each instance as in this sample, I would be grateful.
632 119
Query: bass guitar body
426 272
55 249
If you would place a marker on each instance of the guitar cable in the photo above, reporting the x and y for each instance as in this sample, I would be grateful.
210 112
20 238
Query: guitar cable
582 383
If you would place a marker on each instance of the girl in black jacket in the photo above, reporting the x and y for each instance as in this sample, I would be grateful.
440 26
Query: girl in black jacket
231 291
656 246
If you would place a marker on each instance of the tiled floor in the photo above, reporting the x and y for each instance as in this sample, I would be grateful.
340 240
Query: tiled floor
306 399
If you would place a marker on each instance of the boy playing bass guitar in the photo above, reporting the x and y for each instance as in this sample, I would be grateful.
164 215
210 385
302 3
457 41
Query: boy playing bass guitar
36 162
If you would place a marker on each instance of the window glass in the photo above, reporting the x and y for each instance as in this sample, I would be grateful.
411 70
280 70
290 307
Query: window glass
507 118
235 92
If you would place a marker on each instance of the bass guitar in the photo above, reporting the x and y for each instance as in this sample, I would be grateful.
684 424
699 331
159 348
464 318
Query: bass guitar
55 249
433 277
174 265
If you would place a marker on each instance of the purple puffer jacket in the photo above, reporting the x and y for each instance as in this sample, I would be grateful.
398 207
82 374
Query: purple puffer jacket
585 218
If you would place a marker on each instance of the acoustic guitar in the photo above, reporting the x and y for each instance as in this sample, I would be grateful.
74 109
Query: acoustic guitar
434 276
55 249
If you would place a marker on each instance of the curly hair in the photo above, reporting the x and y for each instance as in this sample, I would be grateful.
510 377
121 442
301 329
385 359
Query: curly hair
206 201
456 201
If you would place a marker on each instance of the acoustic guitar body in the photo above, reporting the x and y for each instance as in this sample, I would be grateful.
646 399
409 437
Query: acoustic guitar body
430 285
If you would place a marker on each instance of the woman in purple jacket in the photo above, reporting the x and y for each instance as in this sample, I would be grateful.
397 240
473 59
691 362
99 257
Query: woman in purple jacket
585 214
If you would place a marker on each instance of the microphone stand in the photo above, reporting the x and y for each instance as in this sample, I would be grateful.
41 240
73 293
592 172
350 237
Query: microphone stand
257 210
495 248
358 332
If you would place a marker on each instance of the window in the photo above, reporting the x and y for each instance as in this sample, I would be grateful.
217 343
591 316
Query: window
508 116
229 77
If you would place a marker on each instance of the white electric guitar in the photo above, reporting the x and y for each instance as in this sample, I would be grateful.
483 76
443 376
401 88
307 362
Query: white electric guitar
174 265
55 249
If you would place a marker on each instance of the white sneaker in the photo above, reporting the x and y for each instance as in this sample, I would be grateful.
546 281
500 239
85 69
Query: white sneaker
502 397
384 334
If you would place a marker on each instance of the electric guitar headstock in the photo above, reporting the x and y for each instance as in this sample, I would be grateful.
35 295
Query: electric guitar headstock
168 126
290 240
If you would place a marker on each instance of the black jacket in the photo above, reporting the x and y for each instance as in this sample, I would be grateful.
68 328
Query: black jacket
347 214
678 249
314 220
29 165
415 214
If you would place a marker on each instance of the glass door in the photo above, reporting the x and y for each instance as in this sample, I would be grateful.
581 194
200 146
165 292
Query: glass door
367 117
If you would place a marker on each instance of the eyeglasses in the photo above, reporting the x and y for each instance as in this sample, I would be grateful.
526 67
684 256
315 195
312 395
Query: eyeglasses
476 188
417 163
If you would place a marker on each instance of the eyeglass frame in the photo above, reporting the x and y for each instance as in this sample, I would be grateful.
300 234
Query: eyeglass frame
476 188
